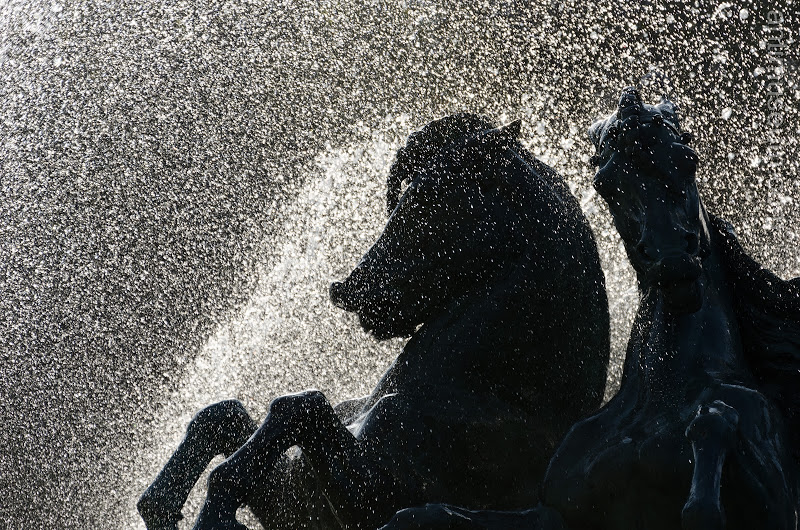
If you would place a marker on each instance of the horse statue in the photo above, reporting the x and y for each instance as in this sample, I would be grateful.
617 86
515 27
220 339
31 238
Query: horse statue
703 433
490 268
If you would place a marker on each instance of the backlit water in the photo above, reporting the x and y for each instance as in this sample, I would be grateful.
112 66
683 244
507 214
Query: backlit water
181 182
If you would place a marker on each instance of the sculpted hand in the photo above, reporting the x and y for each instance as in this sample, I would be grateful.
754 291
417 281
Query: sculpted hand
430 517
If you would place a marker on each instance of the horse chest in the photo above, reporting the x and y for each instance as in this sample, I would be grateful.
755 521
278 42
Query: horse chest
618 467
654 452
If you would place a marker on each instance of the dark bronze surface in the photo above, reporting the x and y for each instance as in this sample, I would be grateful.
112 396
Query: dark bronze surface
488 264
703 431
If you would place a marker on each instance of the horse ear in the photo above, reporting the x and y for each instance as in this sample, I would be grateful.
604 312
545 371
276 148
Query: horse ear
595 132
513 129
669 110
630 103
503 137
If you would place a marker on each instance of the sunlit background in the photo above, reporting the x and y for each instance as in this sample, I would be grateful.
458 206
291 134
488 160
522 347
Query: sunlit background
182 180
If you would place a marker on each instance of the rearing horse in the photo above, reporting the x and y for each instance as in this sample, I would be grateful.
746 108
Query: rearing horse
697 434
488 264
702 434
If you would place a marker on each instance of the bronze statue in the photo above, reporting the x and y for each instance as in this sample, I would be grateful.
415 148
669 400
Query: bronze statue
704 428
490 268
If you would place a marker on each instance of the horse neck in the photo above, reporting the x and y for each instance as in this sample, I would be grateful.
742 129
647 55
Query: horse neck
477 314
671 352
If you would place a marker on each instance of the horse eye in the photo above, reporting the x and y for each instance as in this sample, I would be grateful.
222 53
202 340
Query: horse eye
602 185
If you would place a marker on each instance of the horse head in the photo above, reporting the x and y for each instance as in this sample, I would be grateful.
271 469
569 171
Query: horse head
447 231
646 175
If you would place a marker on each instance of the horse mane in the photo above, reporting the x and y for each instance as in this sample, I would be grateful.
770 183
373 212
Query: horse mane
423 146
768 311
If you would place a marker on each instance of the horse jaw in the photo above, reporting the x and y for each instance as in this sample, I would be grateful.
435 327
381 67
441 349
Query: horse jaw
378 308
681 278
683 297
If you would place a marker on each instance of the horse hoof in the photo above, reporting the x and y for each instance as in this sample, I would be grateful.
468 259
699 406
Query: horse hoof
230 525
702 516
156 516
219 510
717 421
226 422
207 522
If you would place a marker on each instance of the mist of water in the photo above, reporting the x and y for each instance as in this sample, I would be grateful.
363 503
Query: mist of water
180 184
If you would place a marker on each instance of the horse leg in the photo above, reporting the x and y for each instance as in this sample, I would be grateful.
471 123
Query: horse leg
759 476
351 482
712 433
445 517
349 409
292 498
217 429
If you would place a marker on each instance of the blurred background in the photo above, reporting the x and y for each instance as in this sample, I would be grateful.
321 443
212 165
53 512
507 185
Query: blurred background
180 182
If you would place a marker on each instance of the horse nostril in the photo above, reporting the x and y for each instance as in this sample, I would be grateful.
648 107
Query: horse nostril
337 294
692 244
644 252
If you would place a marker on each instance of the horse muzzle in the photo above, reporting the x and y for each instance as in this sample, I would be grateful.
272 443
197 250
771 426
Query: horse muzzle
675 268
345 297
379 309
